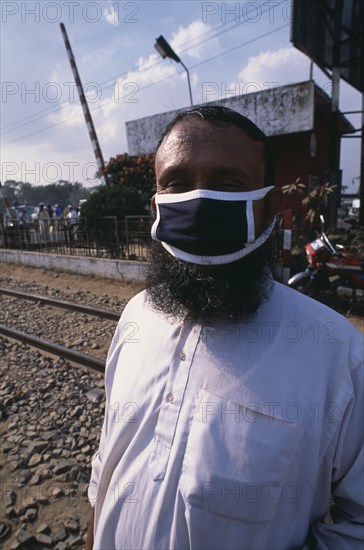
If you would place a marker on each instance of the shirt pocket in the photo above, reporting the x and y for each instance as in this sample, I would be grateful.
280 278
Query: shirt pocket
237 459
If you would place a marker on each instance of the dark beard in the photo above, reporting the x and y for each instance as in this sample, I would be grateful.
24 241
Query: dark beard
230 292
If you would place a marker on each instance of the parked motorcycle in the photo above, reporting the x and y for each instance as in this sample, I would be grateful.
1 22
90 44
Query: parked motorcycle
329 267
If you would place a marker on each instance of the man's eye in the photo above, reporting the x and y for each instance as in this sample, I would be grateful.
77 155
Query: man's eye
177 185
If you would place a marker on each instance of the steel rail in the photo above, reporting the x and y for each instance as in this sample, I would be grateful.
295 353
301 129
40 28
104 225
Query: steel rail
113 316
55 349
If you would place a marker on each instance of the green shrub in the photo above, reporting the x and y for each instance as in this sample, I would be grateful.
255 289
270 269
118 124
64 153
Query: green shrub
100 211
113 200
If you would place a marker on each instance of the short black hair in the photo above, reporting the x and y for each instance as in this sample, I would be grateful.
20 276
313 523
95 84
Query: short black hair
224 115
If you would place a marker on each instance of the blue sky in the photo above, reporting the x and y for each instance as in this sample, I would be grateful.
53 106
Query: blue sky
43 133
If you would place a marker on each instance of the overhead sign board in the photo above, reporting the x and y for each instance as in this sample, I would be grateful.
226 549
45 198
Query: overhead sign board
331 32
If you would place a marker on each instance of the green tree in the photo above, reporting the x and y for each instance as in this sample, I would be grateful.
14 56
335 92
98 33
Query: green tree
12 190
115 201
315 201
133 172
61 192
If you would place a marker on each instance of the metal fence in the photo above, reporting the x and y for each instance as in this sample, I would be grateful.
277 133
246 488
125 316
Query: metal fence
106 237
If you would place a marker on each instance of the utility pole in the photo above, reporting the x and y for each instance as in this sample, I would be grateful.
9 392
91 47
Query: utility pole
90 125
361 187
334 166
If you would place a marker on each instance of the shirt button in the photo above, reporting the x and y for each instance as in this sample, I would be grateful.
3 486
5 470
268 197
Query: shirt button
182 356
170 397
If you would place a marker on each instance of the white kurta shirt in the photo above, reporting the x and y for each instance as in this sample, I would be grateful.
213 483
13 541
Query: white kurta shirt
232 437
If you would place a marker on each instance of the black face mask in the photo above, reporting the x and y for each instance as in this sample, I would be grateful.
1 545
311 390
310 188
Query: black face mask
206 227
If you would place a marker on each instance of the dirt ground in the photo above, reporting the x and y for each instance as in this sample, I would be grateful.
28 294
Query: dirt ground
95 285
60 280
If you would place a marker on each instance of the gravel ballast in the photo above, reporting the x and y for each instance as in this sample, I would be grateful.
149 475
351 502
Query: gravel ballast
51 415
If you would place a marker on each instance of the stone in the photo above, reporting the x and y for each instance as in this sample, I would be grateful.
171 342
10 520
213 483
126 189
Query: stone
62 467
95 395
72 474
74 541
31 503
23 536
4 530
43 539
37 446
78 342
11 513
35 480
25 477
35 460
41 499
49 415
42 528
13 466
59 535
81 457
71 525
10 498
57 492
31 514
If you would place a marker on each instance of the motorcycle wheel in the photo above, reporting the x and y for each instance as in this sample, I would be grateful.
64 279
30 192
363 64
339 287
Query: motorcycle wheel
307 285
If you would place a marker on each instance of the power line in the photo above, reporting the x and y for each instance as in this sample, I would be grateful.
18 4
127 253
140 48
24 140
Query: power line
32 118
164 79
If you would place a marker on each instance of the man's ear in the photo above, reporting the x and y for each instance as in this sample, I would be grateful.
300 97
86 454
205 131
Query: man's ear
271 204
152 204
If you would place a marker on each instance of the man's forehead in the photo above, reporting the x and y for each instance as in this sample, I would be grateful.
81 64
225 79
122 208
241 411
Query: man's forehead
196 127
215 142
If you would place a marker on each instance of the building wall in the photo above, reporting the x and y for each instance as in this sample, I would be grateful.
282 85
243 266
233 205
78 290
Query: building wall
278 111
292 161
289 115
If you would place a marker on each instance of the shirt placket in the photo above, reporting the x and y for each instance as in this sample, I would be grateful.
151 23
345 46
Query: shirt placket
172 400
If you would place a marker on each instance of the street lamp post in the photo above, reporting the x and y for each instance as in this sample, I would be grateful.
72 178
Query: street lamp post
165 50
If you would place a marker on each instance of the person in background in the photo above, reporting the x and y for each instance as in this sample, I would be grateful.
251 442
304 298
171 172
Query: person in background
43 222
72 215
58 211
72 224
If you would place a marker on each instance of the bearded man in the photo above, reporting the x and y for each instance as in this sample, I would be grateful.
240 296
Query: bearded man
233 402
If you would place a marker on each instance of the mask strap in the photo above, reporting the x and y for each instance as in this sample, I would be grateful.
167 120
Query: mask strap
250 221
224 258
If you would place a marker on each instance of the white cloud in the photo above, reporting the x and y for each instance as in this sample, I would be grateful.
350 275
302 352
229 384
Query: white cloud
121 100
144 90
48 163
69 113
192 35
275 68
111 16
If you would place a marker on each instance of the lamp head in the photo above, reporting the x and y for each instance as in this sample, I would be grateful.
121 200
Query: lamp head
165 50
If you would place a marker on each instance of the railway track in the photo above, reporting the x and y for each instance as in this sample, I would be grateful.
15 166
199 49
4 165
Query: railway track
50 414
63 304
46 345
